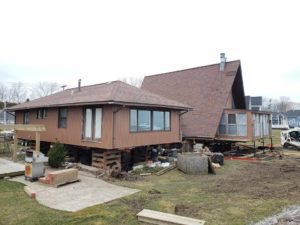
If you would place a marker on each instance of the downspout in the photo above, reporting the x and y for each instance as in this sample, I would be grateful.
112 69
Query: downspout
113 125
180 131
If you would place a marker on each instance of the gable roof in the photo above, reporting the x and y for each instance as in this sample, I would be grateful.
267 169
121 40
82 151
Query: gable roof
115 92
206 89
293 113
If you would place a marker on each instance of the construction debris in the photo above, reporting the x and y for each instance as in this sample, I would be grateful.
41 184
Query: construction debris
155 217
163 171
218 158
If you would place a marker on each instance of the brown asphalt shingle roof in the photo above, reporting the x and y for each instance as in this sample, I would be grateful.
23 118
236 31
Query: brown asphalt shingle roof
205 88
115 92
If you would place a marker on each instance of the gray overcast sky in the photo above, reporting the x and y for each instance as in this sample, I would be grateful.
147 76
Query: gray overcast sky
100 41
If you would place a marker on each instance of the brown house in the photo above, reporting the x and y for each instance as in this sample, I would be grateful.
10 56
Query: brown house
216 93
107 116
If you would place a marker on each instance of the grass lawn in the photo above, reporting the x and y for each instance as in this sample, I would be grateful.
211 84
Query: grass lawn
241 192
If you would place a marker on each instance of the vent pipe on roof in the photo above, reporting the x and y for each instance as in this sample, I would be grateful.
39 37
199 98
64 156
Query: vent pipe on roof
223 62
79 84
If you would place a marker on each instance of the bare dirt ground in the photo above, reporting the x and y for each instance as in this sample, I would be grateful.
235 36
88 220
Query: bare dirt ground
257 179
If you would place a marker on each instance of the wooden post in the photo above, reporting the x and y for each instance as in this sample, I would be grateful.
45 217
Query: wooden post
14 153
37 141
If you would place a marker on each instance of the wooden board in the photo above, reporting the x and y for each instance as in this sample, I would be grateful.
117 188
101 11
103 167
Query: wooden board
159 218
26 127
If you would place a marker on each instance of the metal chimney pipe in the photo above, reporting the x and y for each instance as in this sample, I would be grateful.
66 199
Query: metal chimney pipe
223 61
79 84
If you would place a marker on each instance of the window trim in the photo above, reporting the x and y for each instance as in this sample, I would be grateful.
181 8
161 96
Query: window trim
59 117
93 125
151 120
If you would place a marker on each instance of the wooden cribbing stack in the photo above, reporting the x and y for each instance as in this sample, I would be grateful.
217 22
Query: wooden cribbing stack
60 177
105 159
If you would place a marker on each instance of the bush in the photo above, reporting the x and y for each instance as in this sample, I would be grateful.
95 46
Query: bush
56 155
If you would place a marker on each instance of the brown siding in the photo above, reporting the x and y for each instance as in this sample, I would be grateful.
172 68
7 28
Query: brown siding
73 133
126 139
123 138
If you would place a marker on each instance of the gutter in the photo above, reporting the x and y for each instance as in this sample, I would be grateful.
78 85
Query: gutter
180 131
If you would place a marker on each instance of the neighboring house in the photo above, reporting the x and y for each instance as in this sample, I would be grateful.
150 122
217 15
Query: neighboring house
279 121
105 116
253 103
216 93
293 118
10 118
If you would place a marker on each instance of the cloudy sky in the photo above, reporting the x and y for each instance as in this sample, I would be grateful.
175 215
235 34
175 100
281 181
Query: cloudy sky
100 41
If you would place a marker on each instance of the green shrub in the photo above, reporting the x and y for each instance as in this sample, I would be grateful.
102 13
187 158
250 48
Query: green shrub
56 155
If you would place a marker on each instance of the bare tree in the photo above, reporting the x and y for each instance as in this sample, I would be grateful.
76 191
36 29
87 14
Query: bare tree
17 93
45 88
284 104
3 92
134 81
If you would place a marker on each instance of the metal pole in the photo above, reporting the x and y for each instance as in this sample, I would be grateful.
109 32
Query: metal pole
4 112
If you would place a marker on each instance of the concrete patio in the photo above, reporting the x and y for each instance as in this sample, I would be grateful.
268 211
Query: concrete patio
73 197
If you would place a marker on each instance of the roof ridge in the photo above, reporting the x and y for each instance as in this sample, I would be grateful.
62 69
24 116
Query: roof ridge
198 67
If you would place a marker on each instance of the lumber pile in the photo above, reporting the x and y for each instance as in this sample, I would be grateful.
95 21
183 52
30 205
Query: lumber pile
155 217
105 159
58 178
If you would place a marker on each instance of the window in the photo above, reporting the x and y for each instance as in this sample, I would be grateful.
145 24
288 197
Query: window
233 124
158 120
147 120
144 120
26 117
92 123
241 124
41 113
133 120
232 129
62 117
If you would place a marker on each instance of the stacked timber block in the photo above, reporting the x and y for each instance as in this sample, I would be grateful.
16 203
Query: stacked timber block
57 178
105 159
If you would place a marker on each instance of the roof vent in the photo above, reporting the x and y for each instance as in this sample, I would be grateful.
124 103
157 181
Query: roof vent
223 62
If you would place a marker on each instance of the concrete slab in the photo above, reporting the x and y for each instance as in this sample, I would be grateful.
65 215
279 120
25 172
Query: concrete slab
9 168
73 197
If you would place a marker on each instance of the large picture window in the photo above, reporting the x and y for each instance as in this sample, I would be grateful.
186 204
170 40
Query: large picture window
62 117
92 123
147 120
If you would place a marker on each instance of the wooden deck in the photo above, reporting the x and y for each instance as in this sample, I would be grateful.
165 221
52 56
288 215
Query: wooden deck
10 169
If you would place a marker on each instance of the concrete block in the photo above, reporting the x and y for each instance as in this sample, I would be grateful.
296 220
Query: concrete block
192 163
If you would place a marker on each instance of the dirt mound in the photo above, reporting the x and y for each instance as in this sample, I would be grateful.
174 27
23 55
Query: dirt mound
257 179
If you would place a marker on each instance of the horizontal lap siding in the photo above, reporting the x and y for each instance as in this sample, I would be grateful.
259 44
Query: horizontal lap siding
73 133
126 139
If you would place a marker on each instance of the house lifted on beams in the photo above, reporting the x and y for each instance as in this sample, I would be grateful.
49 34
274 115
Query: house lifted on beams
216 93
103 120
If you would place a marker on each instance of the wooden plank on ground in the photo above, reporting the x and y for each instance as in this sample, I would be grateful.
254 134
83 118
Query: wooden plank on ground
163 171
159 218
